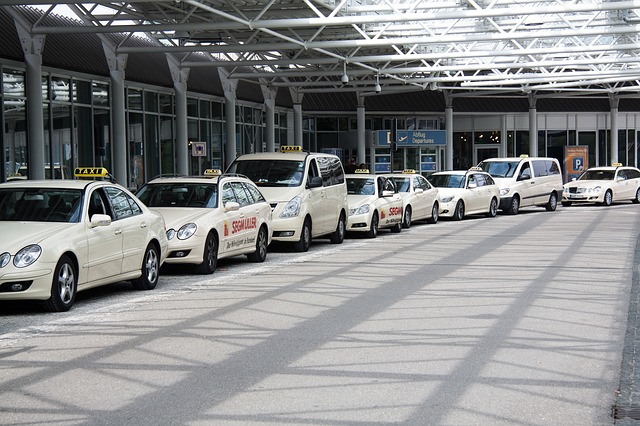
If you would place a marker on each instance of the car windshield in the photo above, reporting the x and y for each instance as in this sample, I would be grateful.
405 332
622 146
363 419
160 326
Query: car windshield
499 169
402 183
176 194
597 175
361 186
270 172
447 181
40 204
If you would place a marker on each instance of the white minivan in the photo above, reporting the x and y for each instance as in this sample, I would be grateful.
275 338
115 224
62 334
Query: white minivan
526 181
307 192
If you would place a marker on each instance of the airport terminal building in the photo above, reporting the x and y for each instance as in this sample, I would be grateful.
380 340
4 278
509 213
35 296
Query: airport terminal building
69 100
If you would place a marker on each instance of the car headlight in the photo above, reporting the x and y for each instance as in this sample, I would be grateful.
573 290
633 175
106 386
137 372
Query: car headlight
187 231
447 199
4 259
596 189
292 209
504 191
27 256
171 233
364 209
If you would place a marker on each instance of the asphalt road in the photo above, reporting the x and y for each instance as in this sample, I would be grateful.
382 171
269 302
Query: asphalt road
514 319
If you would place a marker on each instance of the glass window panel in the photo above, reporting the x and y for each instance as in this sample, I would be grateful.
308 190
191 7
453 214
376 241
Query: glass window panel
205 109
134 99
82 92
100 94
13 83
150 101
192 107
166 103
60 89
217 110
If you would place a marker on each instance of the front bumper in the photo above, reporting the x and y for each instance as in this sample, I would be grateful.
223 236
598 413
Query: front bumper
33 284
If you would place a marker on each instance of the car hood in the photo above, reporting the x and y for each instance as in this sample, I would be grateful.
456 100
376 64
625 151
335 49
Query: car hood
355 201
175 217
586 183
447 192
16 235
279 194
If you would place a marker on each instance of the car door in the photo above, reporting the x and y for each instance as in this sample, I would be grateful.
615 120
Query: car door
133 224
319 201
426 195
247 227
104 257
230 240
622 190
474 197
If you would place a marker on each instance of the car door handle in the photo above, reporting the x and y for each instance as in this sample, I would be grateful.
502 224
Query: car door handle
118 231
143 224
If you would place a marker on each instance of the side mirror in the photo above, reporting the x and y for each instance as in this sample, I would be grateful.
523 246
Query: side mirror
472 185
231 206
99 220
419 190
387 193
315 182
524 176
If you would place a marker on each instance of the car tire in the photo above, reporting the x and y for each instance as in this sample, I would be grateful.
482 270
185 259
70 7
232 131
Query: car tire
262 242
493 208
566 203
406 218
209 256
435 214
63 286
396 228
373 228
337 237
552 204
514 205
150 269
458 213
303 244
637 199
608 198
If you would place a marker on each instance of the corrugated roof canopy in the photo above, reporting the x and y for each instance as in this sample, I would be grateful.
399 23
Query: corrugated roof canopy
464 48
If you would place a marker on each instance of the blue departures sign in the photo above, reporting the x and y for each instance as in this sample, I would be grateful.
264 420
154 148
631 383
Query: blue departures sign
413 138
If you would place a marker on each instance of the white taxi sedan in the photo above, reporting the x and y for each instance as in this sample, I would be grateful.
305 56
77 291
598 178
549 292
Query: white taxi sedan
419 197
466 192
210 218
373 203
64 236
604 185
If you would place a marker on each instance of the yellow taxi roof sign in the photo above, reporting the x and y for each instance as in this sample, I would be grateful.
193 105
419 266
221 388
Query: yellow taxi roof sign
475 168
616 164
409 171
290 148
90 172
362 171
524 155
212 172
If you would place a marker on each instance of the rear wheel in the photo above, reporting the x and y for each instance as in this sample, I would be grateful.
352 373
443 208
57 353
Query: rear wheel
63 287
338 235
209 256
303 244
149 270
435 213
406 217
458 213
493 208
260 255
608 198
552 204
373 228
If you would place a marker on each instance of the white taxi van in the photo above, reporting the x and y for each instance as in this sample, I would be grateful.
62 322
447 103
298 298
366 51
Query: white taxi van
64 236
210 218
526 181
604 185
419 197
466 192
307 193
374 203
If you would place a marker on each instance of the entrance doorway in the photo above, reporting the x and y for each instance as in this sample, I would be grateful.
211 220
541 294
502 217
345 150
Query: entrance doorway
483 152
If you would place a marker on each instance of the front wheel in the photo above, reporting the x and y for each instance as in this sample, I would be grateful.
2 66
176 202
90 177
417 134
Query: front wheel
608 198
337 237
373 228
406 217
637 199
303 244
260 255
493 208
63 287
150 269
209 256
567 203
435 214
458 213
552 204
514 205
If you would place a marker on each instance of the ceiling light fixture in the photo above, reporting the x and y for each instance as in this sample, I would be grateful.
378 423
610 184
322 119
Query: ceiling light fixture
377 87
345 77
